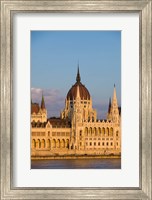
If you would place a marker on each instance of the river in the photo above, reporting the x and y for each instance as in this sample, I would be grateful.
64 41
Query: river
102 163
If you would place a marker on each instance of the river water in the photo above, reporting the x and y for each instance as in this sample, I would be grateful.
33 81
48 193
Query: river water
98 163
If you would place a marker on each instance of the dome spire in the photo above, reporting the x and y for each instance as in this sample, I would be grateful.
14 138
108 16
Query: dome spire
83 92
78 78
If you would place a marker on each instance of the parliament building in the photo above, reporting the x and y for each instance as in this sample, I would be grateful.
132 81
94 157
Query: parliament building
77 131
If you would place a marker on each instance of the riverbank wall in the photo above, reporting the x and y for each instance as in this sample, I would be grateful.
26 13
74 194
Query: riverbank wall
73 157
73 154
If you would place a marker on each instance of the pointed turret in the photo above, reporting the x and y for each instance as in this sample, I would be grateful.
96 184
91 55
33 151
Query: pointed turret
78 78
114 92
114 100
109 105
42 103
113 112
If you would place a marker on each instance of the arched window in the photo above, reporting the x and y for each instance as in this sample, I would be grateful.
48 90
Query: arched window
86 131
103 131
53 143
33 123
48 144
38 124
99 130
38 144
58 143
107 131
111 131
95 131
67 143
90 130
62 143
33 144
42 143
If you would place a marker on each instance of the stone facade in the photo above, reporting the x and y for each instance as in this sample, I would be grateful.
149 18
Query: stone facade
77 131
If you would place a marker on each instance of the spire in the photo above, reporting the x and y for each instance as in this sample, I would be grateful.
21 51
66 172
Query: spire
109 105
114 100
114 93
78 79
42 102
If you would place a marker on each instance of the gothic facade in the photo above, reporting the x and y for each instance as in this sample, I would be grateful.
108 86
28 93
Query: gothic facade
77 131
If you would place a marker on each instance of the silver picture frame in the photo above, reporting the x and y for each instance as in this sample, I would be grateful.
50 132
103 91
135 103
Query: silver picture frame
8 9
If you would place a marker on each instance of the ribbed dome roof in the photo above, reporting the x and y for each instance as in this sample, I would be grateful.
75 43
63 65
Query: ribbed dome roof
84 93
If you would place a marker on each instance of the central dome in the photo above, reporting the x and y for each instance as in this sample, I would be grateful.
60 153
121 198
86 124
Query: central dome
84 93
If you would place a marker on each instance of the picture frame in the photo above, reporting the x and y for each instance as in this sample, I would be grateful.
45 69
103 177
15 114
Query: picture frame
8 9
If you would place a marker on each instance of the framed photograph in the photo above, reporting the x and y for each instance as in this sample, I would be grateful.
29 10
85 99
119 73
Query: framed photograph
76 99
74 135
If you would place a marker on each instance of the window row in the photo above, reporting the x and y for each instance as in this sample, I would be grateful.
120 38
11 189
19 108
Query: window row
38 133
60 134
98 138
42 143
99 143
99 130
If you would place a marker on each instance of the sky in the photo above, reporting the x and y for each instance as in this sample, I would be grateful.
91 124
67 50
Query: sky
54 61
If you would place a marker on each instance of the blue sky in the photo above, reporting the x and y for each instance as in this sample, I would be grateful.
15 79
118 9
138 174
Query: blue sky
54 60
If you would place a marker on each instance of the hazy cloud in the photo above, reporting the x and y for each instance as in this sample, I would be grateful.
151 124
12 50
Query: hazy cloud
54 100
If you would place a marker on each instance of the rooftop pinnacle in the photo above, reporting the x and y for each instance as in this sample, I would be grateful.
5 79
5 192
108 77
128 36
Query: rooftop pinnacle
42 102
78 79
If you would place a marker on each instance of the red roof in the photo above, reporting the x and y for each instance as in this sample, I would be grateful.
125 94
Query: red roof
35 108
84 93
